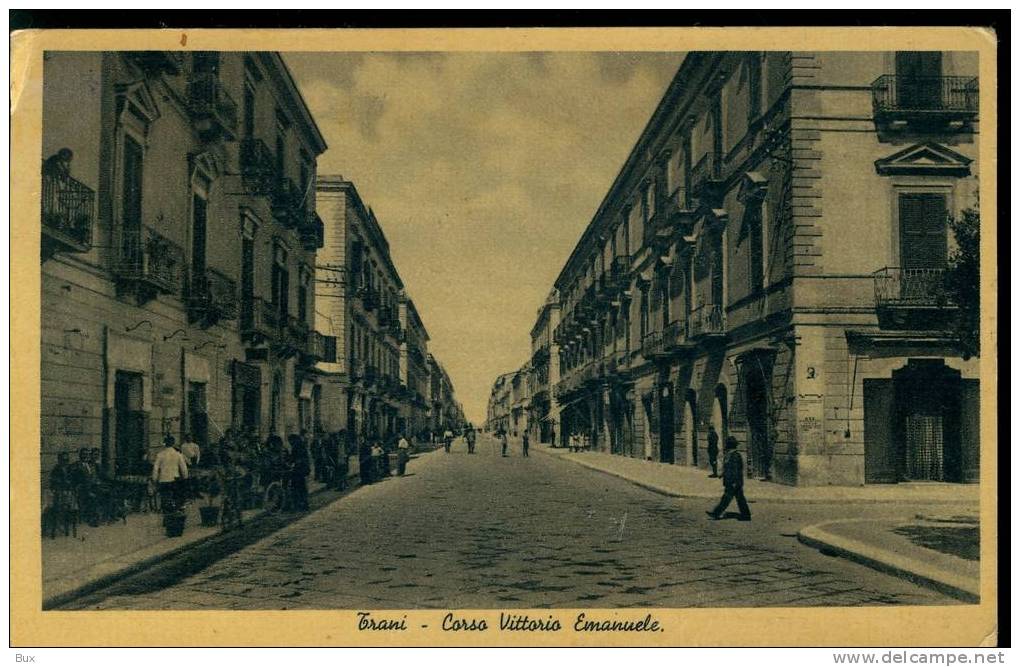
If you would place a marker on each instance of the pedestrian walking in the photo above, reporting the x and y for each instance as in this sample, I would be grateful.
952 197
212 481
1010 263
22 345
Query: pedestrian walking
190 449
733 483
713 450
169 472
502 441
447 440
403 453
524 443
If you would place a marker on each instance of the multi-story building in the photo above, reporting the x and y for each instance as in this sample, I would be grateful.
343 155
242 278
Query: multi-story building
444 411
498 410
178 238
545 372
769 260
414 372
520 400
359 292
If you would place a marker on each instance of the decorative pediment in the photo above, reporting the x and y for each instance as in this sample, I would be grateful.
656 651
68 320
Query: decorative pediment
136 98
924 160
753 187
206 164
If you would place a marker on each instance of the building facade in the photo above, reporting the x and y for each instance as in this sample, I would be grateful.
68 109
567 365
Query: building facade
498 410
178 251
770 261
414 373
545 373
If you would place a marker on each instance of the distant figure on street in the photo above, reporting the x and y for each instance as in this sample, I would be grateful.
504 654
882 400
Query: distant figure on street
365 462
190 449
403 453
300 467
470 437
524 443
713 450
447 440
733 483
502 441
169 471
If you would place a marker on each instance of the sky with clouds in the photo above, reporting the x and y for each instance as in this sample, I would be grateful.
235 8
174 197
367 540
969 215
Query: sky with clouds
483 169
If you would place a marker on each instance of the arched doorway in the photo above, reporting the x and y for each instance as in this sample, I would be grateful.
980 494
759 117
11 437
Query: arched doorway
720 407
927 421
691 425
666 453
757 407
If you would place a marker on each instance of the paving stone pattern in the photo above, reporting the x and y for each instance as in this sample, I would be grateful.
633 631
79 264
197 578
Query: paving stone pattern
483 531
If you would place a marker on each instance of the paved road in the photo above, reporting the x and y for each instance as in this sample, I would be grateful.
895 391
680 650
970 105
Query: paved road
482 531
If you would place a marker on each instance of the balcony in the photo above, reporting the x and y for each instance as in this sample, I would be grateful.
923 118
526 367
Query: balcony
258 320
369 298
651 345
258 168
157 62
297 335
619 270
212 298
707 322
68 211
706 183
675 337
912 298
213 110
924 100
320 348
287 202
147 264
371 374
312 232
355 369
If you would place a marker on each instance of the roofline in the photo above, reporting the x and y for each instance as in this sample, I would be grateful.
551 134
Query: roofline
275 59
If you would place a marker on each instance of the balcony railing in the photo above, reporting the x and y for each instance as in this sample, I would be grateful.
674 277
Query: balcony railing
903 96
68 210
213 297
287 202
707 320
369 298
258 168
910 288
321 347
297 334
675 336
155 62
212 108
148 261
258 319
312 232
651 345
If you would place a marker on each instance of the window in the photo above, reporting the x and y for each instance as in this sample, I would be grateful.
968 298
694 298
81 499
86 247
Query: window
717 271
199 207
665 301
249 110
302 304
756 250
917 79
717 138
131 213
644 312
753 87
923 221
280 283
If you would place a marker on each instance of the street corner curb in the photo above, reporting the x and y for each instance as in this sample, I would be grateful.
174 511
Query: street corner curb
817 537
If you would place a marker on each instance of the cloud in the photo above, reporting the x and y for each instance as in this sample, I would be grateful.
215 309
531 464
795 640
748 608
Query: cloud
483 170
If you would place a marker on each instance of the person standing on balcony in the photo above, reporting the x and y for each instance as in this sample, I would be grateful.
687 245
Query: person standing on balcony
733 483
713 450
58 164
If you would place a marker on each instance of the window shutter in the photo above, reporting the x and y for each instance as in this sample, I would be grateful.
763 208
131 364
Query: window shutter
923 231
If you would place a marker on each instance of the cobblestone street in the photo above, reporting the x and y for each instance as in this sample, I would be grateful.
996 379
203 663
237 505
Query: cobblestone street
482 531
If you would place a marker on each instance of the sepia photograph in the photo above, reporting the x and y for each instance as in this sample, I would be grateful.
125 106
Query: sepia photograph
509 339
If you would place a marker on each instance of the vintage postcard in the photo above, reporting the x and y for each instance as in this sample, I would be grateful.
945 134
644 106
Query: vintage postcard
540 337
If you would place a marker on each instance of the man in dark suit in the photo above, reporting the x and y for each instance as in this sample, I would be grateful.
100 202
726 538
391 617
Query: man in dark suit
733 483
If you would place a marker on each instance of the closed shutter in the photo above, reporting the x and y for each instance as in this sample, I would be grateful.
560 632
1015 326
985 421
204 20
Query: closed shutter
923 224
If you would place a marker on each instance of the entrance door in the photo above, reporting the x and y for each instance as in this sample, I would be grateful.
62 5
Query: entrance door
758 422
691 422
918 76
666 453
880 465
198 420
129 423
928 421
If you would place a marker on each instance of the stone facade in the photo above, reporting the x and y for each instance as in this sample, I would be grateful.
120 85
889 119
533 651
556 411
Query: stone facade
769 261
178 251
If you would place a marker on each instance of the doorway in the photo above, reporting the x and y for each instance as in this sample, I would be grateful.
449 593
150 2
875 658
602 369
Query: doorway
757 402
198 418
918 75
129 423
927 396
691 422
666 430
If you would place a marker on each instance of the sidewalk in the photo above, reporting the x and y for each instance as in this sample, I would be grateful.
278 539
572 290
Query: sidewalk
689 482
936 552
99 555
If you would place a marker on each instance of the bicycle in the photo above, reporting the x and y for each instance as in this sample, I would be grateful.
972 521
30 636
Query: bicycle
277 495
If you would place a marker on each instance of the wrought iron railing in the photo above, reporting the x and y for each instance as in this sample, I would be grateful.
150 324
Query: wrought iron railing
148 257
707 320
171 62
258 318
213 296
297 333
897 287
321 347
675 335
312 231
924 94
209 100
258 168
68 210
286 201
651 344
